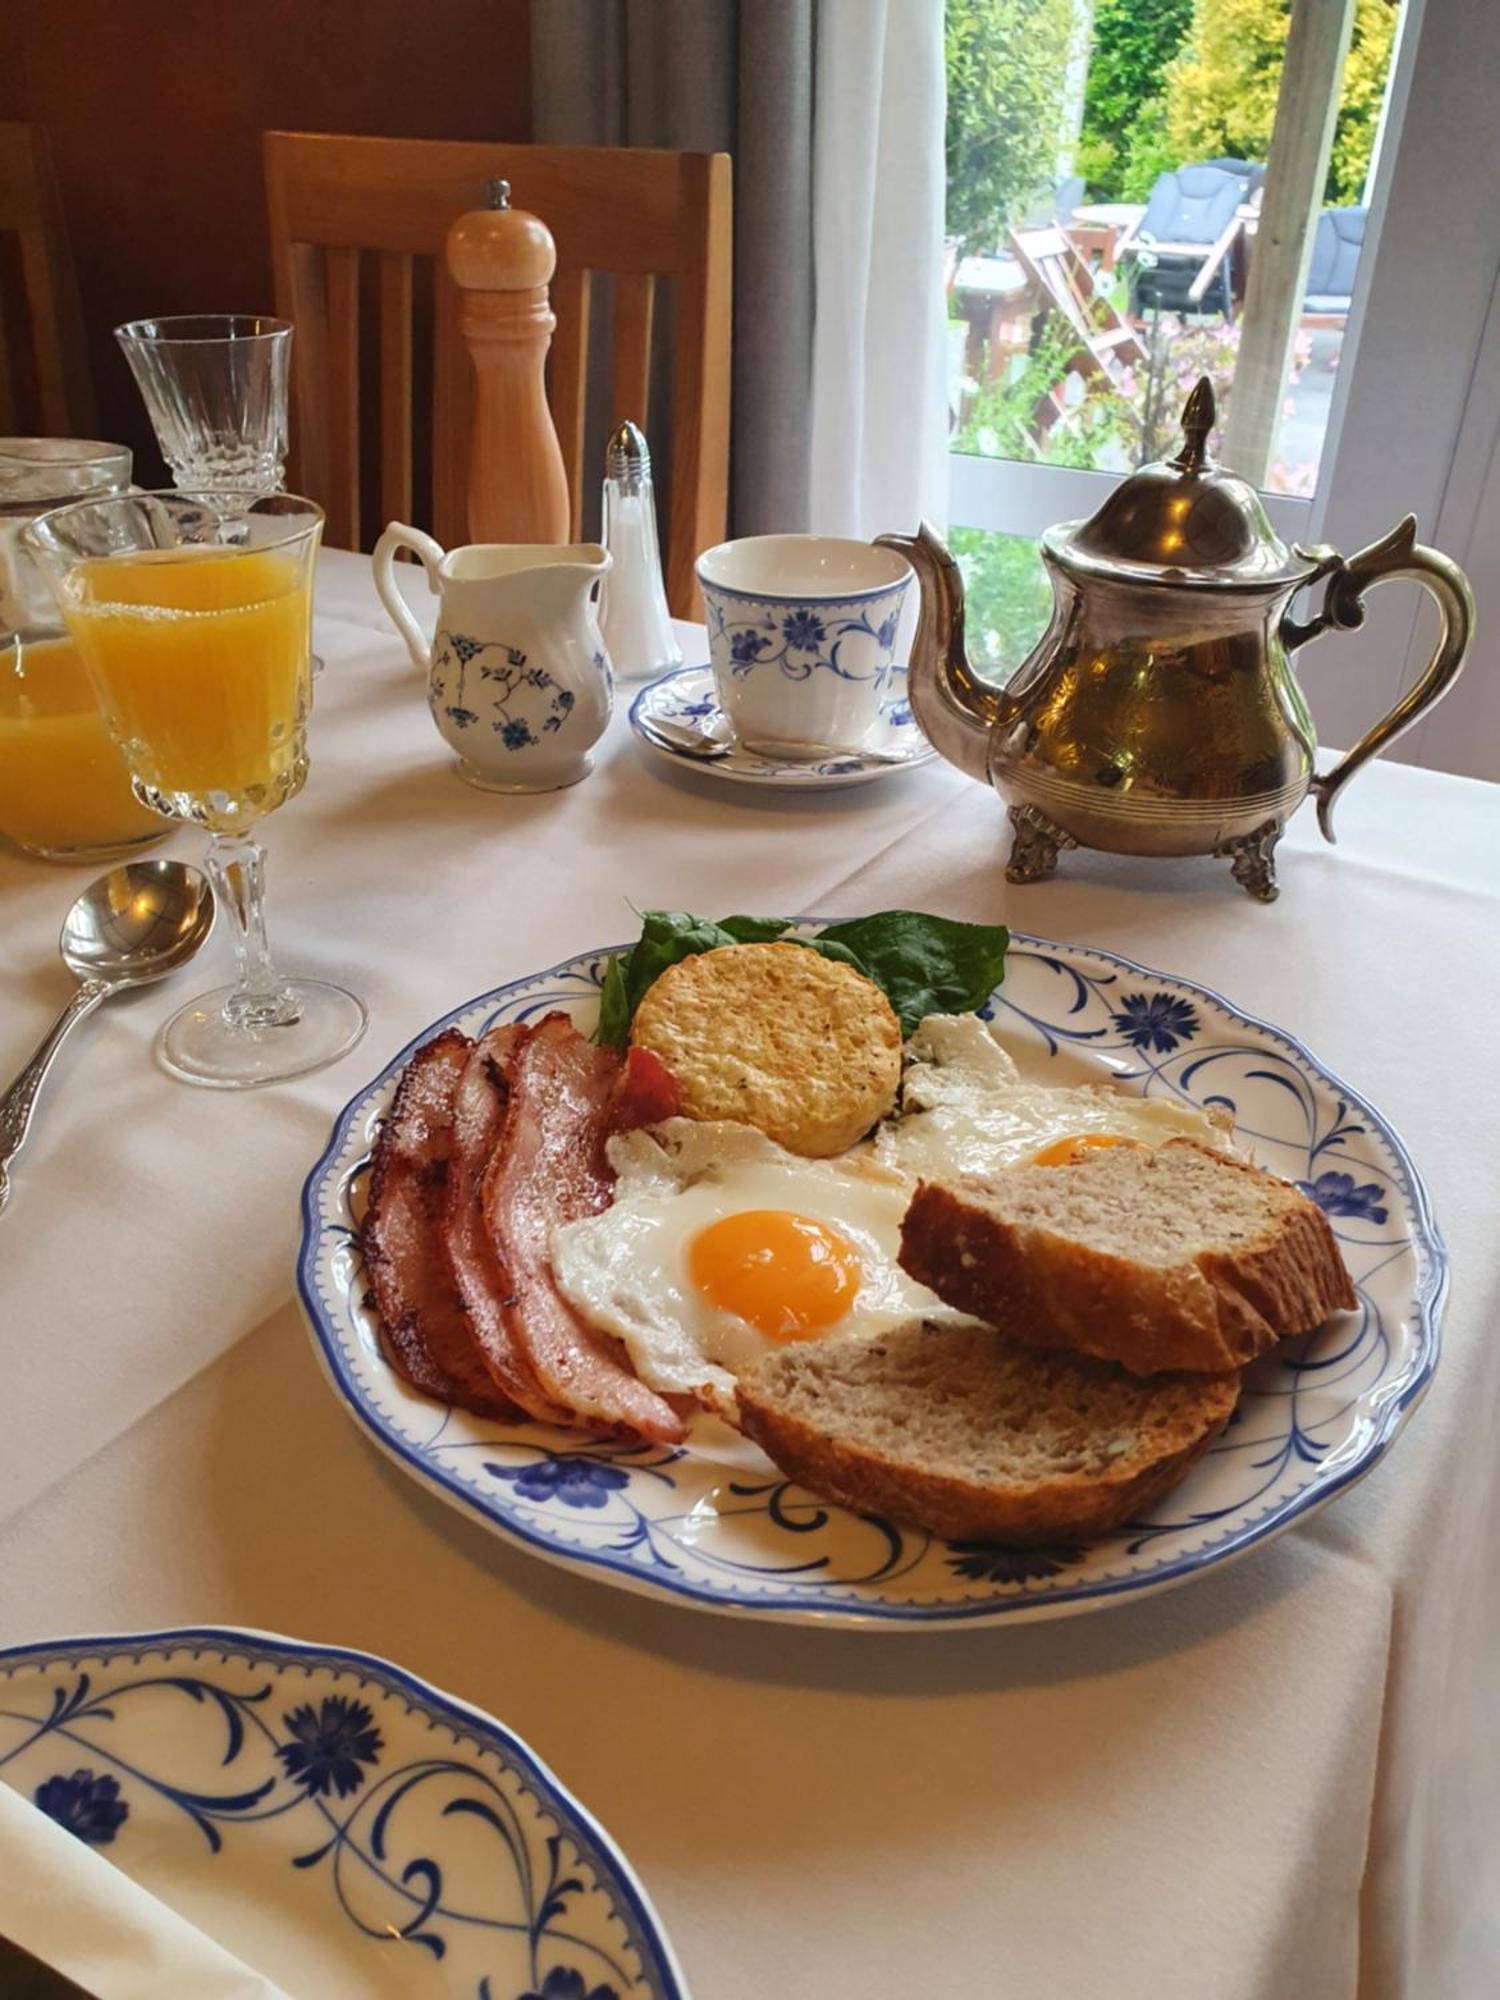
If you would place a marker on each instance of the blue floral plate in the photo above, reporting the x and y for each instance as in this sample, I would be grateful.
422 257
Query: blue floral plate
331 1820
713 1524
683 703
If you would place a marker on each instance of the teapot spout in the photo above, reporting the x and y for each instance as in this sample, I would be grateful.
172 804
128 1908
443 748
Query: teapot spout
956 709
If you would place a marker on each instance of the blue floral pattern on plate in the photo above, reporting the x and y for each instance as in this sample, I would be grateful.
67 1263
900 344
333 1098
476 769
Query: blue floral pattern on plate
87 1805
365 1808
684 699
712 1524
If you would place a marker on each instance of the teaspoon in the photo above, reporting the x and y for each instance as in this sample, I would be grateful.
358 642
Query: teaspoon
139 922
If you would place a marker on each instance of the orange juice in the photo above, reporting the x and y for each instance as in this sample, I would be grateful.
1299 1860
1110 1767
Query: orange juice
64 787
202 659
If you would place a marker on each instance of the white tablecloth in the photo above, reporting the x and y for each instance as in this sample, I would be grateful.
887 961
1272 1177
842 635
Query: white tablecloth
1280 1781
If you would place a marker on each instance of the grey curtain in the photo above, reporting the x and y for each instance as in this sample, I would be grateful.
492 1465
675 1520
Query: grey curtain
713 76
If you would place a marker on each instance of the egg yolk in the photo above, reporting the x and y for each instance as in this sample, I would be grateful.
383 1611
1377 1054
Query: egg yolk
1063 1152
787 1275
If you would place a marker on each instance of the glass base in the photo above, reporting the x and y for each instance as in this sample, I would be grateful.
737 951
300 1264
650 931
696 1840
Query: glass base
201 1045
104 850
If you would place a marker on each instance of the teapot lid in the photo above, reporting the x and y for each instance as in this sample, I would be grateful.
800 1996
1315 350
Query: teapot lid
1184 521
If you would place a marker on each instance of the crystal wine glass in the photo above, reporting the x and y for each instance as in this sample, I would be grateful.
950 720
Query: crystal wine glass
193 615
215 389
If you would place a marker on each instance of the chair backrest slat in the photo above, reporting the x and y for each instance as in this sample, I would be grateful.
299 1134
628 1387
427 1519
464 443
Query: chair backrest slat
452 413
395 384
31 210
635 299
639 215
342 501
567 374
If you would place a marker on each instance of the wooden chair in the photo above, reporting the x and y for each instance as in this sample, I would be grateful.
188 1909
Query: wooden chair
1065 282
47 388
637 215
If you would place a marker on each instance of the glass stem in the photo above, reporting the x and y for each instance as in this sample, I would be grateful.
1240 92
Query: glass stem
261 998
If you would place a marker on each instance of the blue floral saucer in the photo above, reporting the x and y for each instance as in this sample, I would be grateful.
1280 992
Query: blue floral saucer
713 1524
331 1820
683 703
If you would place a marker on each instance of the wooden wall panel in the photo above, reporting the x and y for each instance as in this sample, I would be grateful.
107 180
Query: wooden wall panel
155 122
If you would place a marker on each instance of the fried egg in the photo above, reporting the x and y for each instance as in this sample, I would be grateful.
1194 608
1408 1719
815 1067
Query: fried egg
966 1109
720 1246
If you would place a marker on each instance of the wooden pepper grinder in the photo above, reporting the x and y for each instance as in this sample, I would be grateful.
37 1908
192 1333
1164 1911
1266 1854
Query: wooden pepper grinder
501 258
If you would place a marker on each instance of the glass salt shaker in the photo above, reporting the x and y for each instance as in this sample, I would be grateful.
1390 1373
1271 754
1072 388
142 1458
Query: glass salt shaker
633 613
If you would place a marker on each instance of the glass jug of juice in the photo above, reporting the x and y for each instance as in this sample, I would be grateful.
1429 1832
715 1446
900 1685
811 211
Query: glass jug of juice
65 793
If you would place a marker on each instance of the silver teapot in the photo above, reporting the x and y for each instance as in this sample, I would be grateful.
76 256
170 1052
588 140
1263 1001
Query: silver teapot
1159 713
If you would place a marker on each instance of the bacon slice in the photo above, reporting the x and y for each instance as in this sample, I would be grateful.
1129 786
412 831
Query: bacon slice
479 1118
421 1315
549 1167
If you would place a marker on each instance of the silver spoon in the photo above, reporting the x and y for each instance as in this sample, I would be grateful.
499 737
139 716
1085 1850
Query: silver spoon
135 924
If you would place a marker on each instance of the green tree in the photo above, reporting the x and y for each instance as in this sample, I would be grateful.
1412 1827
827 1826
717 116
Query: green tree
1123 136
1365 71
1007 64
1222 86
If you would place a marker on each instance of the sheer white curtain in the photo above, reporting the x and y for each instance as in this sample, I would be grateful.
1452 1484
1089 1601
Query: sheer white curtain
878 431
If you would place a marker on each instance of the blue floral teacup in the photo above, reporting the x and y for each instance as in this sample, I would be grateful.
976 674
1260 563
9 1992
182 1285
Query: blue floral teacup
802 637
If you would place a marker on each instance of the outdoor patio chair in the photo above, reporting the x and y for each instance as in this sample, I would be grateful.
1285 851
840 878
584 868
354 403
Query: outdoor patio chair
1251 172
1179 249
1337 242
1064 283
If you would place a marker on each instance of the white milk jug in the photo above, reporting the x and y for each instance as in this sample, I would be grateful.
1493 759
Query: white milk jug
518 680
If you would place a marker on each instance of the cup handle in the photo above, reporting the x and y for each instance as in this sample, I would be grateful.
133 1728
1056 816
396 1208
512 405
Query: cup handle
430 554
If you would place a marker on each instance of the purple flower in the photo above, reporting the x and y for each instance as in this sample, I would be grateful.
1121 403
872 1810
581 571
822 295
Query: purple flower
1159 1023
330 1748
571 1478
87 1806
1336 1194
803 630
746 647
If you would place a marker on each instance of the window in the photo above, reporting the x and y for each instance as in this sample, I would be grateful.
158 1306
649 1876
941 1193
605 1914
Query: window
1110 242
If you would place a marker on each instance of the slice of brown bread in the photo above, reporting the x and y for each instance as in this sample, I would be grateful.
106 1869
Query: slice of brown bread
1177 1257
961 1431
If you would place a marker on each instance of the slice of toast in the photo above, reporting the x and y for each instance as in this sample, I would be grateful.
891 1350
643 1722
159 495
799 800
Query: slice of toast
1169 1258
971 1435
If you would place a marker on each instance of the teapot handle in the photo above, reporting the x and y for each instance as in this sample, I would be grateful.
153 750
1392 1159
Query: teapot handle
1398 554
430 553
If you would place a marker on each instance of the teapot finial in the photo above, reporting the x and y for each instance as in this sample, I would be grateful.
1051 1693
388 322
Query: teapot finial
1198 417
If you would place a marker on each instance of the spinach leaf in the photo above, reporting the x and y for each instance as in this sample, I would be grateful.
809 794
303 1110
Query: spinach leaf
614 1005
667 936
924 964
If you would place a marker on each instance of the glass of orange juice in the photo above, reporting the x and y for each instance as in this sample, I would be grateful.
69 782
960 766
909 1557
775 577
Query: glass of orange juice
65 791
192 614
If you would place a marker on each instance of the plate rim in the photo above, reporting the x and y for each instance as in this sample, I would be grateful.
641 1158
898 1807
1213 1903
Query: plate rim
1430 1301
484 1730
774 777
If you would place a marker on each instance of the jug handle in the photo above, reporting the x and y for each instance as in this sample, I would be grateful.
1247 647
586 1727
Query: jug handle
1398 554
430 553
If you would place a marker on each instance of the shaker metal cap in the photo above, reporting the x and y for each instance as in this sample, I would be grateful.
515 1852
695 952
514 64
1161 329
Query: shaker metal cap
627 457
1185 522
